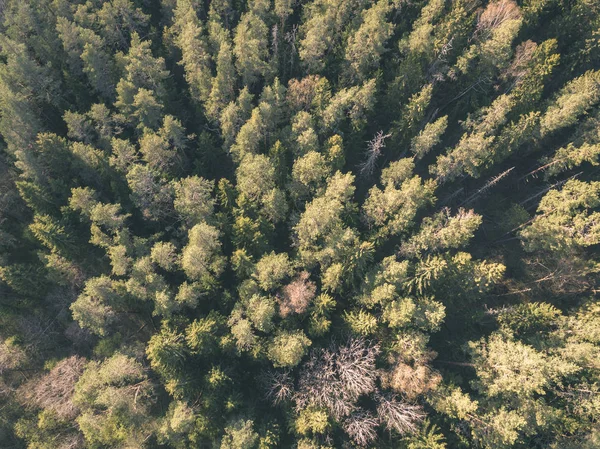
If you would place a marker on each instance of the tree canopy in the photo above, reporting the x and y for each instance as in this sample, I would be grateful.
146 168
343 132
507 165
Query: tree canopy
261 224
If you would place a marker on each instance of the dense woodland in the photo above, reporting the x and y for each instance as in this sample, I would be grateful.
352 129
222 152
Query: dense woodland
311 224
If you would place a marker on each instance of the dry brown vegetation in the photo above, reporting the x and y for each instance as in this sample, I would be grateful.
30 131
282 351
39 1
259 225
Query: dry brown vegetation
411 381
496 14
297 295
54 390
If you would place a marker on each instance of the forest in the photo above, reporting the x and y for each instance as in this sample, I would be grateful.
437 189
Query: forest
304 224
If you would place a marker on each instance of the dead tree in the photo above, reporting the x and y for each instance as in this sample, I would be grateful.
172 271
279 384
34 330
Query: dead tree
374 149
361 427
397 415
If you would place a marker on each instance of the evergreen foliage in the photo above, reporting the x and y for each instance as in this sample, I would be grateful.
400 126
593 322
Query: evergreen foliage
310 225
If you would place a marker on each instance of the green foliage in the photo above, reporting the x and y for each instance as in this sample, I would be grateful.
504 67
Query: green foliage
429 137
201 258
94 307
361 322
311 421
564 219
114 396
355 103
571 102
193 200
391 211
272 269
251 48
366 46
240 435
316 225
505 367
287 348
442 232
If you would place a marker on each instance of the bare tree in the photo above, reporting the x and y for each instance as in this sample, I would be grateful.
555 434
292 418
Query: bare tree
496 14
336 377
488 185
319 385
520 65
280 386
275 38
397 415
301 93
54 391
361 427
374 148
356 366
291 37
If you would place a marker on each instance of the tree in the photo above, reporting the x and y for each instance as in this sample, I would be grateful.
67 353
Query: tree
571 156
475 151
505 367
261 311
365 47
564 220
497 27
156 151
223 84
201 258
529 81
304 134
149 193
52 234
119 20
322 29
196 58
211 207
272 269
308 93
412 115
193 199
87 55
240 435
256 186
283 9
53 392
202 335
297 295
392 210
355 103
146 109
234 115
442 232
251 48
94 309
143 83
250 137
429 137
25 86
573 100
180 424
286 349
167 351
321 234
309 176
115 397
164 254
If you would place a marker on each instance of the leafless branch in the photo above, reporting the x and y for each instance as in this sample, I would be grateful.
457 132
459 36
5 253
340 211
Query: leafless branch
374 148
399 416
280 386
361 427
